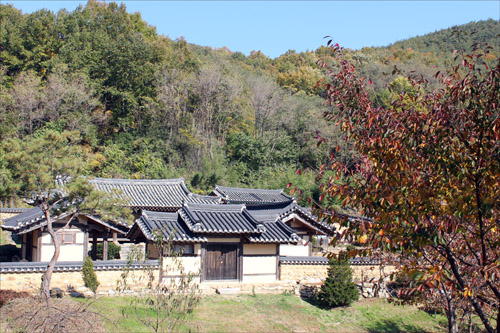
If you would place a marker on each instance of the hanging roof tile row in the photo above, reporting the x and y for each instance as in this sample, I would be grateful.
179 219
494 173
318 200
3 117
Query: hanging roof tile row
13 210
324 261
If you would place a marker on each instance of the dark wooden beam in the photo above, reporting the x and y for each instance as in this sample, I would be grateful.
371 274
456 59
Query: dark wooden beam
94 244
278 273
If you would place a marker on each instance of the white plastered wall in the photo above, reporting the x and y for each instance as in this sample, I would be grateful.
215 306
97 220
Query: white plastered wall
68 252
259 263
299 250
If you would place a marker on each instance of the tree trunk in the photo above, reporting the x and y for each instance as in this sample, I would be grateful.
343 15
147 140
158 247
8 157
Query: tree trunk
498 319
47 276
452 315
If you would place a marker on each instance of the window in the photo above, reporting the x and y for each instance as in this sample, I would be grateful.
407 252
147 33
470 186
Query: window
184 249
66 237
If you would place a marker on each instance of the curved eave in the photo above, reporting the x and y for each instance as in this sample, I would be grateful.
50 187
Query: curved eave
272 241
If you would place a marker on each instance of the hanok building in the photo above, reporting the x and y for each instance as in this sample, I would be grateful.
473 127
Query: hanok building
74 235
85 231
234 234
232 241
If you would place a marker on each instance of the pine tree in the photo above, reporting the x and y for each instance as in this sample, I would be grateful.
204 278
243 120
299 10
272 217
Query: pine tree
338 289
89 275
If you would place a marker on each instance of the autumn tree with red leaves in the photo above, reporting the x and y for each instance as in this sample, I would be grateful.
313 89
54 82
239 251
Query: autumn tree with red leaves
427 181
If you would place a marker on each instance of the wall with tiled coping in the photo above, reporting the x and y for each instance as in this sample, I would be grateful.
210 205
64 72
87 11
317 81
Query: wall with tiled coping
68 276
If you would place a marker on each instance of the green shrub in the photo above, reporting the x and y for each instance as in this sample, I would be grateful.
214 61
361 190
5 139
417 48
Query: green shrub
89 275
338 289
113 251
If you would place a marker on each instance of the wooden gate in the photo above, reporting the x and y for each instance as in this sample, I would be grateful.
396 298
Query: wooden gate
221 262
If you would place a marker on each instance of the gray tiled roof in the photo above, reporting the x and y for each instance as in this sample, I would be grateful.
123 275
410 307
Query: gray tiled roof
251 196
25 221
154 194
219 219
34 218
169 224
280 211
193 221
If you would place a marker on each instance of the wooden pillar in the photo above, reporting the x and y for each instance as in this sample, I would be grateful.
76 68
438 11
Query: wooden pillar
105 247
278 271
94 244
115 237
310 244
39 246
23 248
86 243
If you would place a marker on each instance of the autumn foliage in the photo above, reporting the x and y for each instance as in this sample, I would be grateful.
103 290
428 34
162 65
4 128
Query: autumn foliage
427 181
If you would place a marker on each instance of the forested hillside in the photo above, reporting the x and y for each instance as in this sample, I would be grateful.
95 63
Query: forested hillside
147 106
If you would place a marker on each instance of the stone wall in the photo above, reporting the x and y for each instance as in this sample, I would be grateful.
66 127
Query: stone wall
370 279
67 281
301 272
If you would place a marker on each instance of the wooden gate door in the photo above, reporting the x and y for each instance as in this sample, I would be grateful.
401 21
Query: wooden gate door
221 262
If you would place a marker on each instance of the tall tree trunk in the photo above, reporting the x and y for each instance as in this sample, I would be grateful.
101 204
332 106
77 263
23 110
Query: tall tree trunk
47 276
452 315
498 319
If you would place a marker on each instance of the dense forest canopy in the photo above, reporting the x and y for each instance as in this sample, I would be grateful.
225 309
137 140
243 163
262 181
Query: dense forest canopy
147 106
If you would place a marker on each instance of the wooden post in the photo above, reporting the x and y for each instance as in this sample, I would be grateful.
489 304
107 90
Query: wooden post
23 248
310 244
39 246
94 244
105 247
86 243
278 272
115 237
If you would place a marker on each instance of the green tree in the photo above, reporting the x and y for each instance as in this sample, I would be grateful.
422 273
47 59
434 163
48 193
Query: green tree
338 289
37 162
89 276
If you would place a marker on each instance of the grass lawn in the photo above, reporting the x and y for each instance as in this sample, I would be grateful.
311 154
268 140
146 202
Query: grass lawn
265 313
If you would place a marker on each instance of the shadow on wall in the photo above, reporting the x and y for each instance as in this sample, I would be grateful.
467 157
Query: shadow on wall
9 252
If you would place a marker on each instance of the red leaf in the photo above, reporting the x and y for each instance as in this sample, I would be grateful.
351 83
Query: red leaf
293 191
288 185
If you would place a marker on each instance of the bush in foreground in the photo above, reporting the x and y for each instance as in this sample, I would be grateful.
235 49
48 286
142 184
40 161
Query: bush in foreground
89 275
338 289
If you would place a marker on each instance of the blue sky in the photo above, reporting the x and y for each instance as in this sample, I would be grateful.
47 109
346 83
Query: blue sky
277 26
